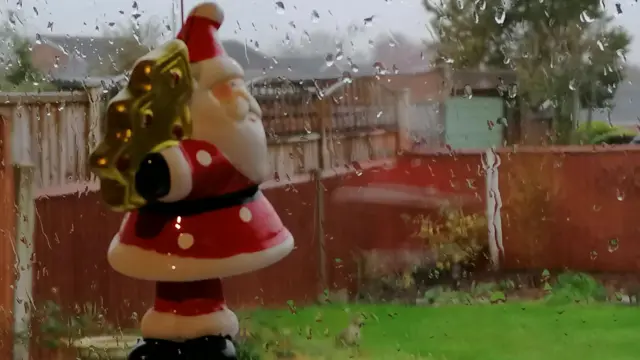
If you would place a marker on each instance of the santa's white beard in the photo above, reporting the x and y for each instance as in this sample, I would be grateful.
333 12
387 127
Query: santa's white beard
235 128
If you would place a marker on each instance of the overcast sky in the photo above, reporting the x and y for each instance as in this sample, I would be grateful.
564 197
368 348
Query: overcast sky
263 21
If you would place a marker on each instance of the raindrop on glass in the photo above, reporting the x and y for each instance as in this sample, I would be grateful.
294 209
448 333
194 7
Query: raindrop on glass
500 15
280 7
329 60
468 91
368 21
315 17
585 17
346 78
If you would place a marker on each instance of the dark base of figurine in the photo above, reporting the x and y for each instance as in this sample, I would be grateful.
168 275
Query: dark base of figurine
202 348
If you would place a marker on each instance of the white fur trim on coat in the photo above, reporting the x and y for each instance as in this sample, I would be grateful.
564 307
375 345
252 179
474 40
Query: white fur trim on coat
213 71
180 174
138 263
167 326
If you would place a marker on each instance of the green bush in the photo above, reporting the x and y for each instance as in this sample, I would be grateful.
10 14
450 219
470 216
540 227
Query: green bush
576 288
601 132
615 136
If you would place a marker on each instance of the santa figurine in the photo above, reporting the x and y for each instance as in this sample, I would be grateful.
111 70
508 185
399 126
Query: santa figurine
204 217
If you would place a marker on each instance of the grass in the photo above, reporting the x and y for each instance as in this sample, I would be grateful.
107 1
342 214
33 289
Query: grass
530 331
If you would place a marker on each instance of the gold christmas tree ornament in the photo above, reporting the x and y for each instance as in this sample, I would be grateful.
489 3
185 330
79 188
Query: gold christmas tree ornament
150 114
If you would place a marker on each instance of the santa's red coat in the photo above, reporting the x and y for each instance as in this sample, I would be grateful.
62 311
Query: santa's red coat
249 227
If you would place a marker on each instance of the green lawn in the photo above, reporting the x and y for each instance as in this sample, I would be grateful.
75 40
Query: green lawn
481 332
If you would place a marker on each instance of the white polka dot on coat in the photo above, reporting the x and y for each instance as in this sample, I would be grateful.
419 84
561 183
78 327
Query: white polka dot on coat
245 214
185 241
204 158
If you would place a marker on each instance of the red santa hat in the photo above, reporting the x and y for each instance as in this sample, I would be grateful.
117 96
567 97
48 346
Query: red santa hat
209 60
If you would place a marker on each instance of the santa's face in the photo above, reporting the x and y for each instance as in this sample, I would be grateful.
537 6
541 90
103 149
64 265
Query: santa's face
225 114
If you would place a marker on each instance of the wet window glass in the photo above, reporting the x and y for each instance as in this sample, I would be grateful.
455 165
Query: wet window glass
374 179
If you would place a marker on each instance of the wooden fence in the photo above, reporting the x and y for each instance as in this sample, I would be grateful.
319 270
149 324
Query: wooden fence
54 132
307 129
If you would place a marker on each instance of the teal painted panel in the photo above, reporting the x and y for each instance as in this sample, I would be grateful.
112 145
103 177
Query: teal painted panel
466 122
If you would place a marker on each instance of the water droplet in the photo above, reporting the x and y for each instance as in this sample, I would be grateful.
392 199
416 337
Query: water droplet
357 168
512 92
573 85
619 195
585 17
307 126
597 208
593 255
468 91
315 17
329 59
380 69
38 39
369 21
613 245
35 11
346 78
500 15
280 7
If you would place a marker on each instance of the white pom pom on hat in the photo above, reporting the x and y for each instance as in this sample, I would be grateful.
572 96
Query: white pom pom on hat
209 10
209 60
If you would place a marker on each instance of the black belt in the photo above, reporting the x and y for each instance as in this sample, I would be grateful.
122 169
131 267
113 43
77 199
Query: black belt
199 206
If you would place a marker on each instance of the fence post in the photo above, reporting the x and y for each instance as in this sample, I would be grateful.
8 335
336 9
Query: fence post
319 220
403 105
491 164
7 236
24 250
94 126
324 114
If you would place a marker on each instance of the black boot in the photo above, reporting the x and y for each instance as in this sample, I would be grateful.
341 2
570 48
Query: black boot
210 348
202 348
156 349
